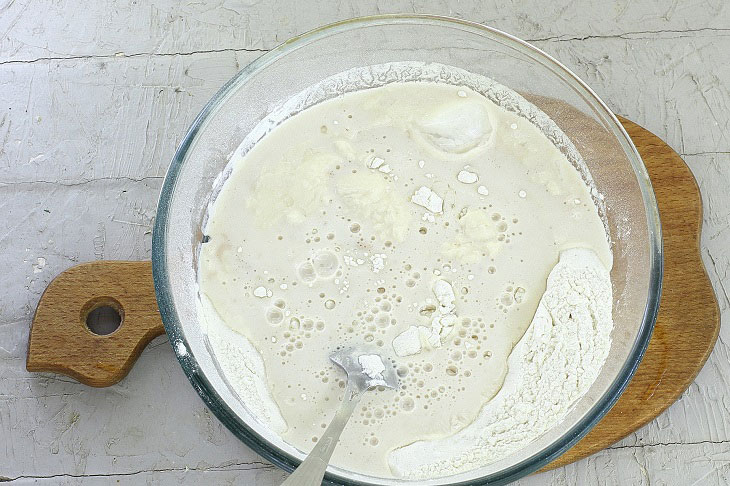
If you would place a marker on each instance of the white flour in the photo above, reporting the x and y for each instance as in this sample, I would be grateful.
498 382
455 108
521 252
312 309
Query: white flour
241 365
552 366
373 367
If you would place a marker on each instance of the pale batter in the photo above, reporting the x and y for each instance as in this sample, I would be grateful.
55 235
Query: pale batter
421 218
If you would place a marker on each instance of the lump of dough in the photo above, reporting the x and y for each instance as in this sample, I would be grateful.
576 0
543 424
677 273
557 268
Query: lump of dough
408 342
456 128
292 189
475 237
375 199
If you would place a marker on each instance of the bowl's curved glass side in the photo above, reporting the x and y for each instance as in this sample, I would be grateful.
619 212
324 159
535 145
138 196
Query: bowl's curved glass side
186 338
307 59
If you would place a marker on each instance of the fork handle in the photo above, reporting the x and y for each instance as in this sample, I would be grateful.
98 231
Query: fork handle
311 471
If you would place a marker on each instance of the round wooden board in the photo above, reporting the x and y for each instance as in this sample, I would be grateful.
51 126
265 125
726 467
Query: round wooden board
685 333
689 317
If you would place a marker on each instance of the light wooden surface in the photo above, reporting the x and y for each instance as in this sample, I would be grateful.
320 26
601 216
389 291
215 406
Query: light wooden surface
689 318
94 96
62 342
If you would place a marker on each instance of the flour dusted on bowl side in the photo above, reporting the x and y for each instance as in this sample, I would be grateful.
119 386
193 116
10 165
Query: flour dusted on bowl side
439 224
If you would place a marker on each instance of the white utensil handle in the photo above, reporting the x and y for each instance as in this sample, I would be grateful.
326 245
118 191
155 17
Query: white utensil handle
311 471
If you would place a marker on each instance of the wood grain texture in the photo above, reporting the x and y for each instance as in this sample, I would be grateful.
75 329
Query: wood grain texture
60 340
689 317
685 333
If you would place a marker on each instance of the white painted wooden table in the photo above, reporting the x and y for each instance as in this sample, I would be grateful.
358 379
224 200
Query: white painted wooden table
94 97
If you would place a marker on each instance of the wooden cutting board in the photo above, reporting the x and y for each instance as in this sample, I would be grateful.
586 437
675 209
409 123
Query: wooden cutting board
689 317
685 332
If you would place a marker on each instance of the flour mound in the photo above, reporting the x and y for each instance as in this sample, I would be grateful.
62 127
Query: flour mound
551 368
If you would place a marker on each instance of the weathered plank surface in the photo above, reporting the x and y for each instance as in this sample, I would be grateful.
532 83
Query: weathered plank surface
94 97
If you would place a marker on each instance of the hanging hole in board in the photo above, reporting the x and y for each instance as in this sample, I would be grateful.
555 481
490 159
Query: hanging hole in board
103 316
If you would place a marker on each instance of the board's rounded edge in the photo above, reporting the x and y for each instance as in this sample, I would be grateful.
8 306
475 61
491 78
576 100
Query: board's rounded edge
660 159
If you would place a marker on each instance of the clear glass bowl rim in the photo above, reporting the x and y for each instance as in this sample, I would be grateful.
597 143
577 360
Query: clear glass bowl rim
239 428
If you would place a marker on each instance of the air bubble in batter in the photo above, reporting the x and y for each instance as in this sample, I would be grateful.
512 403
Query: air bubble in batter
507 299
274 316
407 404
325 264
306 272
519 295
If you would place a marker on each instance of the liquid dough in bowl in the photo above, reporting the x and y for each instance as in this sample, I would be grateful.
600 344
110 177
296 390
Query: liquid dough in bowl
424 219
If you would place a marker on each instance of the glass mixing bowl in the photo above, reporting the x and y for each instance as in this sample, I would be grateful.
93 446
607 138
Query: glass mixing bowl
619 174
